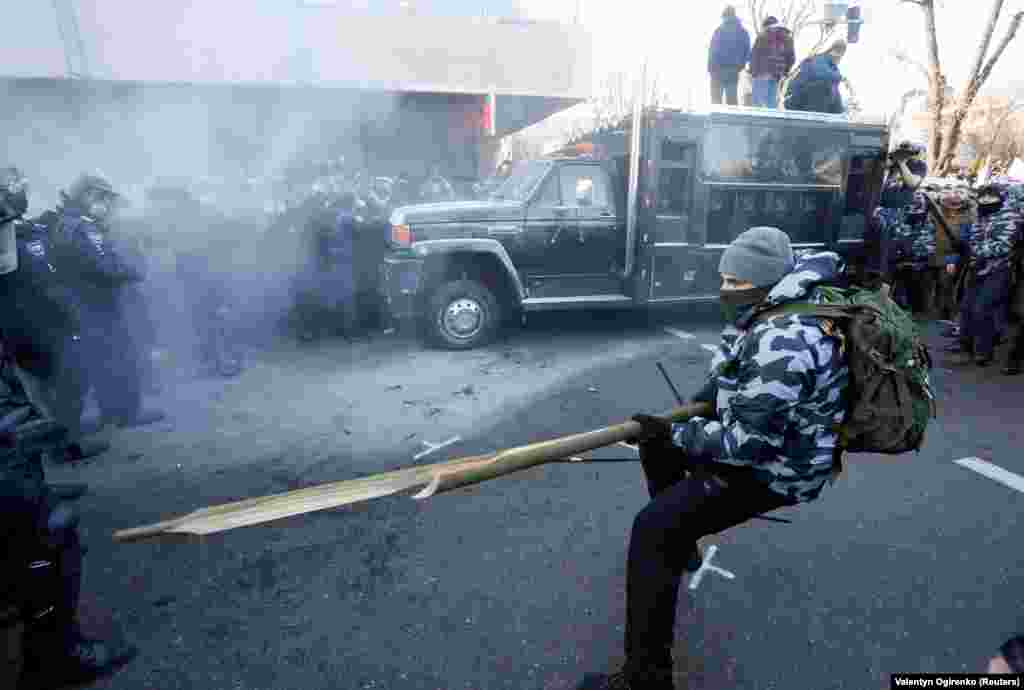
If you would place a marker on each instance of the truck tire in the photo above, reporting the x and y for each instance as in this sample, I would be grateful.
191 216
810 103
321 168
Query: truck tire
462 315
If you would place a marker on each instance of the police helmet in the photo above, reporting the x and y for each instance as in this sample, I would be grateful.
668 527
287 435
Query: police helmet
90 182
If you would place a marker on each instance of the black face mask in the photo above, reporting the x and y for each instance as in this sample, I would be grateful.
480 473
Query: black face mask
736 304
990 208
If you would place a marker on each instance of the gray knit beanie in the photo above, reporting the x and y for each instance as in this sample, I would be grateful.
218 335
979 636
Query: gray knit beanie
761 256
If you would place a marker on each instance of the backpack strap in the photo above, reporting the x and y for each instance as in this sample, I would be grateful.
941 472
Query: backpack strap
825 311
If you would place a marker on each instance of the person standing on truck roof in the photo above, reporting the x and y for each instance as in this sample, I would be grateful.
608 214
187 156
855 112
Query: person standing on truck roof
815 88
770 60
729 53
779 389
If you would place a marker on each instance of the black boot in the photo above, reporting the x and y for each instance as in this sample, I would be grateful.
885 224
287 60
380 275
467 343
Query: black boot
141 418
82 449
629 678
68 491
54 660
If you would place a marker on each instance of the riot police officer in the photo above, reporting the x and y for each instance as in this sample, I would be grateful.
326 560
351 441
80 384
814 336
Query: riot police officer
42 322
42 566
97 269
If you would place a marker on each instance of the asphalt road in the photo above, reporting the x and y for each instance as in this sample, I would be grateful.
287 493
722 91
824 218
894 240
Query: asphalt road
906 564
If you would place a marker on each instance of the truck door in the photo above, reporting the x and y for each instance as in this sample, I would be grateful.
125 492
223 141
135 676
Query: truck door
598 244
577 243
673 257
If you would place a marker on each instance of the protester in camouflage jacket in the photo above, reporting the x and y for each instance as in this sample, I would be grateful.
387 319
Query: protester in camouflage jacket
994 236
780 391
912 231
778 386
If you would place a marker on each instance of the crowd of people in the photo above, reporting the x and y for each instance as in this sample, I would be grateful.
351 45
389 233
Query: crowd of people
769 61
954 252
79 282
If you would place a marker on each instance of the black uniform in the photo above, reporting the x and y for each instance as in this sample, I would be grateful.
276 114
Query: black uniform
41 573
97 270
42 325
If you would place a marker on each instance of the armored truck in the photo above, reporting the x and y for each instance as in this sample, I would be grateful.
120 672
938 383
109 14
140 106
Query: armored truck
634 217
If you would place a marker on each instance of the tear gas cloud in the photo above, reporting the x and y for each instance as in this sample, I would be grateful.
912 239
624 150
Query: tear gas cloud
226 143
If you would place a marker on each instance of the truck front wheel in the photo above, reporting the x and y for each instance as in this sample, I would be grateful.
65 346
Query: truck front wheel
463 314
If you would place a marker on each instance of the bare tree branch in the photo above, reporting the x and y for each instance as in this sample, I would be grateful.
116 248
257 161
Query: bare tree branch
986 40
1011 33
951 137
902 56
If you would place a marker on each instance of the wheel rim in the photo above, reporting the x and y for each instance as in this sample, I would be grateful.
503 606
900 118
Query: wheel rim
463 318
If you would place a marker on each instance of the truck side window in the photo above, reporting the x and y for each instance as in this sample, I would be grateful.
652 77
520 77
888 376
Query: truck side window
760 153
585 187
549 193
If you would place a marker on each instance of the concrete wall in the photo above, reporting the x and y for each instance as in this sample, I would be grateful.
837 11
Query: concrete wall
256 41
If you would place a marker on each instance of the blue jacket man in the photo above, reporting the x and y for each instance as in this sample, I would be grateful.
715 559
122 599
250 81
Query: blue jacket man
816 86
727 56
329 275
779 389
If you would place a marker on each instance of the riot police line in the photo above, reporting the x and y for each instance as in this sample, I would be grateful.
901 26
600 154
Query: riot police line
956 253
77 321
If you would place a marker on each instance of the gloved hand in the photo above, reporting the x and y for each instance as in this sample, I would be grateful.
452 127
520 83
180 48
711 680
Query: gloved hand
652 428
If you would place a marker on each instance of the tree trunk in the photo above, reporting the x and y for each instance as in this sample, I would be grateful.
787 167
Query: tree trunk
936 84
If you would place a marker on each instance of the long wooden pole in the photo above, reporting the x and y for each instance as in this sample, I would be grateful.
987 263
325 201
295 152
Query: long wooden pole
438 477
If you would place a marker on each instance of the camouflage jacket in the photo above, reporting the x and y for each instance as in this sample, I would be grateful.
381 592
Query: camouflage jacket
915 241
993 239
781 388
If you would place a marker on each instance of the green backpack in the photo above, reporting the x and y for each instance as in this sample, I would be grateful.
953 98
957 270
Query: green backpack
890 395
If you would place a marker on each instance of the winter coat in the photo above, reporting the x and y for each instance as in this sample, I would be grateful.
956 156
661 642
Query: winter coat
773 54
815 88
994 237
94 265
781 386
912 237
730 47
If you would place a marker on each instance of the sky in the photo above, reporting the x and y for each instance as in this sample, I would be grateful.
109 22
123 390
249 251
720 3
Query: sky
674 36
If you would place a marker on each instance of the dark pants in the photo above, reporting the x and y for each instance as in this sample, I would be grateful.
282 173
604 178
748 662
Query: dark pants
983 311
727 83
945 295
682 510
1015 356
43 563
918 288
114 369
69 386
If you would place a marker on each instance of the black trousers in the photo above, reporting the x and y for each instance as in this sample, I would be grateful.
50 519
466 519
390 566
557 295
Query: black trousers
113 368
684 507
918 288
1015 355
42 556
984 310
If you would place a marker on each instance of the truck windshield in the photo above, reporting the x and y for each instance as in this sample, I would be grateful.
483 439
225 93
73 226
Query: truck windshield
524 179
775 155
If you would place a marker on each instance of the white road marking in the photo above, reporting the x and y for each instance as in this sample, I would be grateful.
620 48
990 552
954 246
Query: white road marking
680 334
706 566
710 348
993 472
633 448
431 447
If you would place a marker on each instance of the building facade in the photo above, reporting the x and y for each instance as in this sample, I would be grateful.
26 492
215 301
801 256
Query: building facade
182 88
